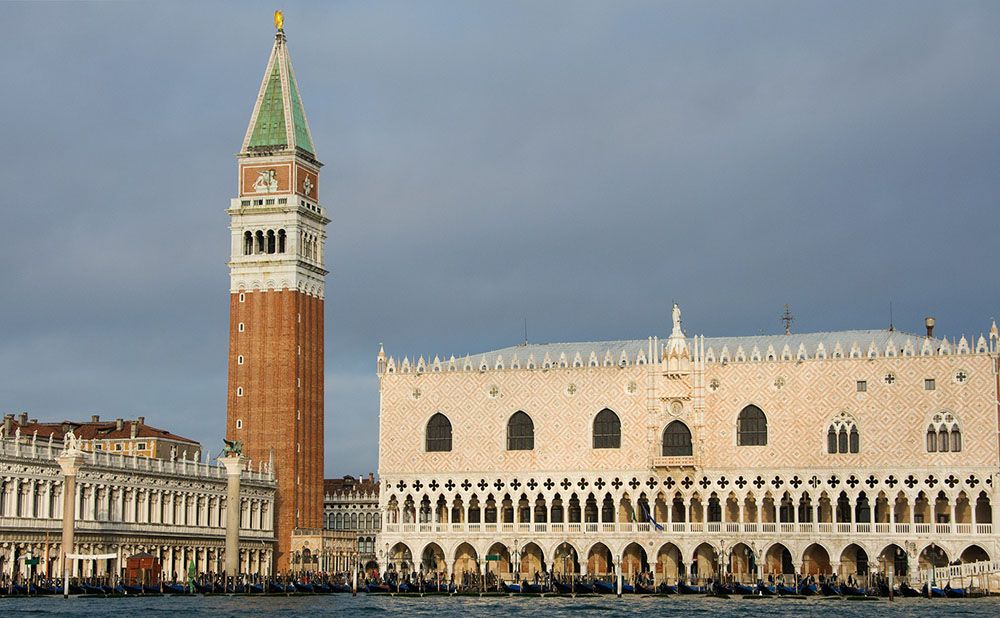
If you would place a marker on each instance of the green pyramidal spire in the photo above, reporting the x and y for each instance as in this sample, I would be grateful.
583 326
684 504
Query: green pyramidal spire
278 122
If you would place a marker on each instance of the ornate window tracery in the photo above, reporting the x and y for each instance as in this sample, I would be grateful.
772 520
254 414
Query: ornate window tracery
843 436
944 434
520 432
677 440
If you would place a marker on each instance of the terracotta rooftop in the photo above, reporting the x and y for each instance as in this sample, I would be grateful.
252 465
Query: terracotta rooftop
348 484
95 429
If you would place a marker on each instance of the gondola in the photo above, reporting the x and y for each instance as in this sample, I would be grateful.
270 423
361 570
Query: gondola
808 590
92 589
766 590
641 589
534 588
683 588
936 593
175 589
742 589
304 587
378 588
603 587
342 588
908 591
784 590
512 587
276 588
322 588
851 591
564 587
133 589
205 588
954 593
584 588
722 589
665 588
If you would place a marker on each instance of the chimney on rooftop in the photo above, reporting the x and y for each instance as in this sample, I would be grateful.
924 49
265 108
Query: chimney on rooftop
371 477
929 322
142 420
119 423
135 429
8 424
23 418
95 418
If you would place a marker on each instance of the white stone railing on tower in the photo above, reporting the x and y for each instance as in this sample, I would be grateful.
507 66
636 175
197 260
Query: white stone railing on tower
695 528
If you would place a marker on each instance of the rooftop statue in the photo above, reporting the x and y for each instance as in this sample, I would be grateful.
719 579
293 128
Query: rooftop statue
232 448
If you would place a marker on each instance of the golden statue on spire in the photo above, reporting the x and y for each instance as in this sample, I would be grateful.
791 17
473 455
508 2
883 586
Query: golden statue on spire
279 20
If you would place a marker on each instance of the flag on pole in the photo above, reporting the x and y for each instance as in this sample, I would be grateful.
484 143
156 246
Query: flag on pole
649 518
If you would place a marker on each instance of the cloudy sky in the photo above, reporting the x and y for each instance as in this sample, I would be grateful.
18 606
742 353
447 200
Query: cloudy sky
578 165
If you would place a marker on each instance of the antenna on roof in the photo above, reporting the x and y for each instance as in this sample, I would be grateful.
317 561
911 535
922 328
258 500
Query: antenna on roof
525 330
787 318
891 328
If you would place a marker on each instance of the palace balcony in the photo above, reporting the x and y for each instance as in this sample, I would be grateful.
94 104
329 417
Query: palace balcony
826 528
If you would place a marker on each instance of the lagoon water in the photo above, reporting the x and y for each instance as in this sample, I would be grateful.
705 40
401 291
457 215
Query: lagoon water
446 607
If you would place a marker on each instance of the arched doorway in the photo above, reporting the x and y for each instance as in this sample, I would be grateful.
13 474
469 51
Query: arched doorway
705 562
669 564
633 562
599 561
400 559
932 556
893 555
532 561
816 560
853 561
565 561
499 567
466 560
974 553
432 560
742 564
778 560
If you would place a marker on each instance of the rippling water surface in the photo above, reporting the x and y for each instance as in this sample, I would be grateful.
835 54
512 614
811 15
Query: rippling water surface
443 607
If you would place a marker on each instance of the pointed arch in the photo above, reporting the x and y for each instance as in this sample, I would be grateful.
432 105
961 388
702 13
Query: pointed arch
751 427
607 429
677 440
438 435
520 432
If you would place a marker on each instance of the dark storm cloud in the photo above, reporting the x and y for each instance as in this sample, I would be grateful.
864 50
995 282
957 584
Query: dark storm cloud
579 165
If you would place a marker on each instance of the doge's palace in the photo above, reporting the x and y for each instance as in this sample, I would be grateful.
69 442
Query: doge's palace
850 452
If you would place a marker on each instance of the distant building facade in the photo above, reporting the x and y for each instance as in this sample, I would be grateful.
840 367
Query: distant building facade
843 452
120 436
172 509
349 536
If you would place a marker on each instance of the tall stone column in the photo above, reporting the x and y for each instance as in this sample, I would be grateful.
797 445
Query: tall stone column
234 468
70 461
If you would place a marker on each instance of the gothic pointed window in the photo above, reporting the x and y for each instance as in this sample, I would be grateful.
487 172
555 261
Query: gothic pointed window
751 427
842 435
944 434
520 432
438 434
607 430
677 440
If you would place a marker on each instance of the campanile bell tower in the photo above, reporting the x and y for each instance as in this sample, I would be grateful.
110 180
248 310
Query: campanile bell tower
278 230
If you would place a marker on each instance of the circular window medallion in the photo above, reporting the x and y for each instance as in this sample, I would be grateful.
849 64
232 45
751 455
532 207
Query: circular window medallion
571 389
676 407
714 384
494 391
415 395
961 376
631 388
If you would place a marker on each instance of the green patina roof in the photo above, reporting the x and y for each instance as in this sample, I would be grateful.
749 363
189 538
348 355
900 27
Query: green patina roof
269 129
298 115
